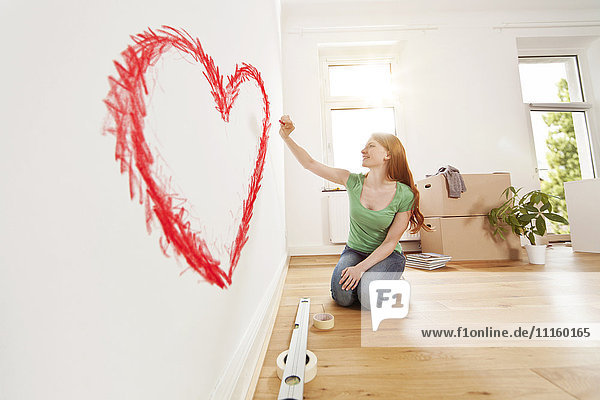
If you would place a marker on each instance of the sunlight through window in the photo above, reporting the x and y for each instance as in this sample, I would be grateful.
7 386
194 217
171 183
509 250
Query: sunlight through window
368 80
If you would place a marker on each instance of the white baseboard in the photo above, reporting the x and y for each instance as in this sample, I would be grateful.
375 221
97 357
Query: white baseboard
336 249
247 390
241 374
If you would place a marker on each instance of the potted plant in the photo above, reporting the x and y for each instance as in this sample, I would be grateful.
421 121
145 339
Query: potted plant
526 216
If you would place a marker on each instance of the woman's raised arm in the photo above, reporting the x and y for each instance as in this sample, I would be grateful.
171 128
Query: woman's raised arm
336 175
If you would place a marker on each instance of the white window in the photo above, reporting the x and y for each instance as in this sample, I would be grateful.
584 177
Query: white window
555 96
358 99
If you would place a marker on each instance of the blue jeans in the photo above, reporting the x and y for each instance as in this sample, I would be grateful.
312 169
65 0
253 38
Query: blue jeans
389 268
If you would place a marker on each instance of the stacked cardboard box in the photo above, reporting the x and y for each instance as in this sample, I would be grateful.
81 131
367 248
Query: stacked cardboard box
461 226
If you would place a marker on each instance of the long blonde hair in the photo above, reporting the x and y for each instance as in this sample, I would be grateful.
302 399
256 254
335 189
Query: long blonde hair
398 170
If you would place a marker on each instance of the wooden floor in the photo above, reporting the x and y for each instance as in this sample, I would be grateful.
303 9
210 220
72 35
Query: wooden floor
347 370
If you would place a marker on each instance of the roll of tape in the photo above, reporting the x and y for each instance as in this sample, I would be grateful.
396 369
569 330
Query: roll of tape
310 370
323 321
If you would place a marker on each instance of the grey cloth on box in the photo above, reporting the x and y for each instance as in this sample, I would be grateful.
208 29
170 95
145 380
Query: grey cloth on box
456 184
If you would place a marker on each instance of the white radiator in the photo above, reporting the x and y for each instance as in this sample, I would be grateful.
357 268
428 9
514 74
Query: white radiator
339 219
339 214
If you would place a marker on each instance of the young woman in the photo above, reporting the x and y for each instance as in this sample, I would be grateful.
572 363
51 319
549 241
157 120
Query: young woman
382 205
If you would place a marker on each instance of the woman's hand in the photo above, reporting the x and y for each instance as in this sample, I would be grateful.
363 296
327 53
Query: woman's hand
286 126
350 277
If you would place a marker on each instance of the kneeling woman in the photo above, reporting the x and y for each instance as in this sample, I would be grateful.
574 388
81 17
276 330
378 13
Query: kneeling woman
382 205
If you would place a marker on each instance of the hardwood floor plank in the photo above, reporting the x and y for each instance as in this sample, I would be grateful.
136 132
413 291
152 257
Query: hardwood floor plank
450 385
582 382
347 361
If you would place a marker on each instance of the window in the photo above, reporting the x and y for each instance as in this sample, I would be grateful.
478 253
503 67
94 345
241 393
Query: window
358 100
553 92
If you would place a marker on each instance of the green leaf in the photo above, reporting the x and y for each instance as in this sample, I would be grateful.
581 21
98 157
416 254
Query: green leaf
499 231
545 207
555 218
540 225
531 238
523 210
526 218
510 191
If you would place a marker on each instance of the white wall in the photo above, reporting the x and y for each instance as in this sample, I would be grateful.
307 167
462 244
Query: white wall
460 92
90 308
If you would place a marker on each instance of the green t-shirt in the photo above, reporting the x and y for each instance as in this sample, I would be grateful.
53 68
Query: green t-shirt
369 228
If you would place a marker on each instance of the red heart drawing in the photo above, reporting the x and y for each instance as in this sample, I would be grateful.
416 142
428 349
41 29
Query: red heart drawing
127 110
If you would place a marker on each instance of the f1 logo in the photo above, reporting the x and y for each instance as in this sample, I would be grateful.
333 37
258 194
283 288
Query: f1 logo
389 299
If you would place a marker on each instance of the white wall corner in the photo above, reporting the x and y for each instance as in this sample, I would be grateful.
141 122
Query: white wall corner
237 377
316 250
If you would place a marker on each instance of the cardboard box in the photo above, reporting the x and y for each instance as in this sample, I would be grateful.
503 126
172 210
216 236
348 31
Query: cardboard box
483 193
469 238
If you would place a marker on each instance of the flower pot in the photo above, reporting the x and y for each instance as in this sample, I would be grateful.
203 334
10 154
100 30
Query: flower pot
536 253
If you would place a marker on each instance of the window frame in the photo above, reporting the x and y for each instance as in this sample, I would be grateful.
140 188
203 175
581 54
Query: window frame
330 103
586 106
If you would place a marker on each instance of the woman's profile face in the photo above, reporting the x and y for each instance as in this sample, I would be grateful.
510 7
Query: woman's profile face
373 154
